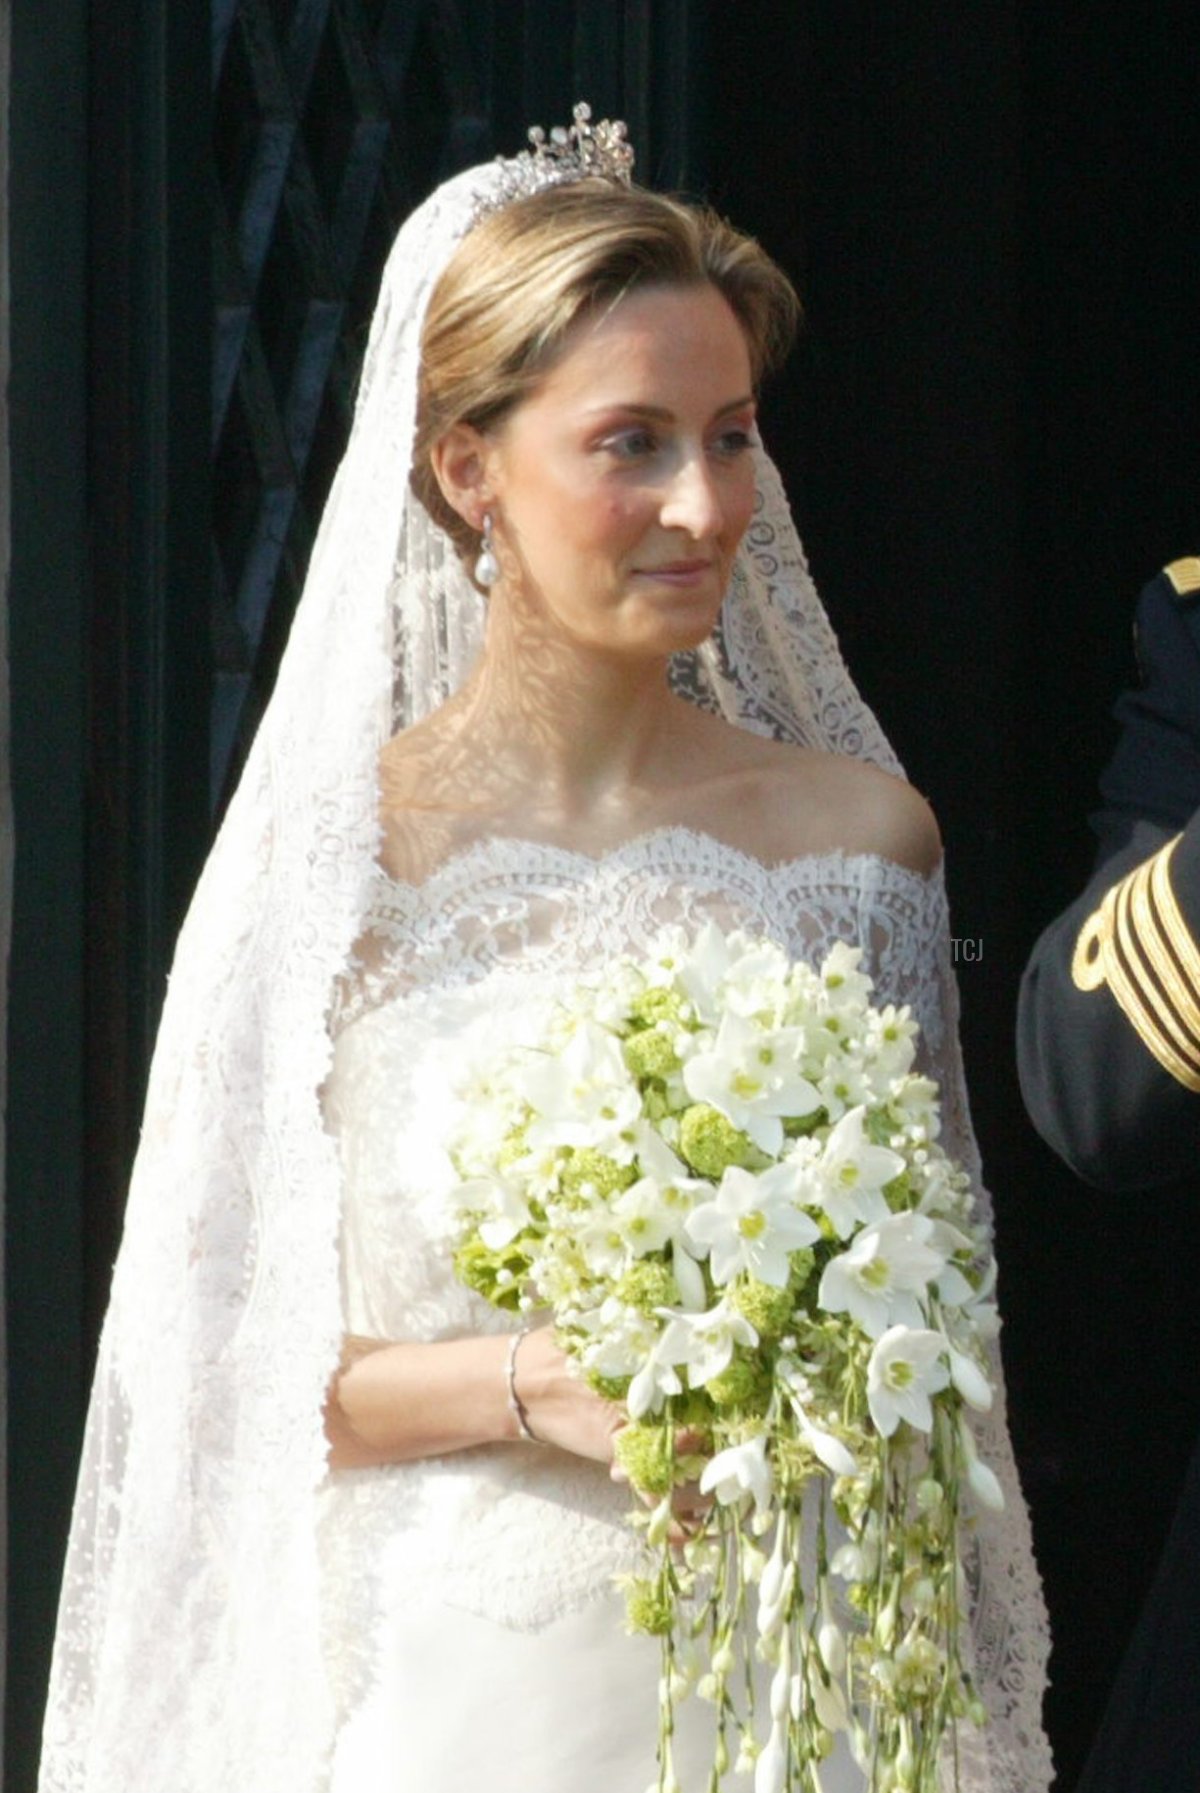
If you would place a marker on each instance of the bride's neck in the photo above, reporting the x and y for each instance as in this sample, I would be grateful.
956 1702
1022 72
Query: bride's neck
578 722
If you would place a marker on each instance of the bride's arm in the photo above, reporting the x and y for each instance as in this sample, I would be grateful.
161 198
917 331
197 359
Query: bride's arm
392 1403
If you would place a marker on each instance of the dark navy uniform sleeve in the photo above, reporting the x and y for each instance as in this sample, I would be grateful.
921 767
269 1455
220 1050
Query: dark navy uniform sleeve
1109 1020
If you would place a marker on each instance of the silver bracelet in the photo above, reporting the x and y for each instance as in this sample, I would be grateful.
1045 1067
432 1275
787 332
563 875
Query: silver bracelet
516 1405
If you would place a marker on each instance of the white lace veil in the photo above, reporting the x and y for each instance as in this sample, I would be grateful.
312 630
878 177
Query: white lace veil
188 1654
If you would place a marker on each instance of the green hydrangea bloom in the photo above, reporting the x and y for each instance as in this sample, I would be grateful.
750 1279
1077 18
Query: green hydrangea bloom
655 1005
650 1054
496 1275
768 1310
710 1143
589 1170
514 1147
645 1455
610 1388
648 1286
648 1606
745 1384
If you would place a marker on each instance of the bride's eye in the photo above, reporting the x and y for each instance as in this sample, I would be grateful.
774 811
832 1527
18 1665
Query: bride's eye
731 443
630 445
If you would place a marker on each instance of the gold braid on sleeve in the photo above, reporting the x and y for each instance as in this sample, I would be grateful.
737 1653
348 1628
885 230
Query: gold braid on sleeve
1138 944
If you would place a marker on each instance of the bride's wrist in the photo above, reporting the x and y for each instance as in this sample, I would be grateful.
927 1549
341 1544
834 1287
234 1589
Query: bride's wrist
522 1426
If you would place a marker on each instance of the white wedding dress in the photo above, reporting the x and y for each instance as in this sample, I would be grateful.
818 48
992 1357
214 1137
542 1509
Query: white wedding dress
472 1634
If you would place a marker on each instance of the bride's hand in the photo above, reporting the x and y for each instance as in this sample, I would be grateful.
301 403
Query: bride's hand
560 1408
689 1506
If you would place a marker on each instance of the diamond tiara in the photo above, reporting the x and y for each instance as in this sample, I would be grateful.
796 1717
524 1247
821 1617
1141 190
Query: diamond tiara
575 152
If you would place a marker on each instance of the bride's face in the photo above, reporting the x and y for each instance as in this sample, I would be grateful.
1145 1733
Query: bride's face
621 487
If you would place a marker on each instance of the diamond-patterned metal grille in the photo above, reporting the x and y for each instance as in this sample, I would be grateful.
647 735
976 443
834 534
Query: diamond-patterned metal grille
332 119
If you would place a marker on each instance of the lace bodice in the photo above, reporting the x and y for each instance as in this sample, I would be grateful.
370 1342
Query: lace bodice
517 1536
513 907
441 967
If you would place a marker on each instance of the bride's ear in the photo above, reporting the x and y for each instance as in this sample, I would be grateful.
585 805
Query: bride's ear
460 461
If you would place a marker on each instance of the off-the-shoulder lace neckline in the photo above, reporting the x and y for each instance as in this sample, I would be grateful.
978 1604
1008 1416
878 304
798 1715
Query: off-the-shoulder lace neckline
641 846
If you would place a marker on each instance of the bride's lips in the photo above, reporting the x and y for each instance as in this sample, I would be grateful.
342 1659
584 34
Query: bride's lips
677 572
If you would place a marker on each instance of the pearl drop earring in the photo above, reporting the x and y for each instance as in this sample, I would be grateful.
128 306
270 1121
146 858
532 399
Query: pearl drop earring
487 567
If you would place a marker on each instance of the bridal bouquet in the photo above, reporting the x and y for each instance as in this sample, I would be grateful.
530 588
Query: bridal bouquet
720 1174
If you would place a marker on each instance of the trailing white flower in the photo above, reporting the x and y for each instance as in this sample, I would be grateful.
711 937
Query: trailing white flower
705 1342
738 1472
770 1770
878 1280
849 1179
907 1367
984 1483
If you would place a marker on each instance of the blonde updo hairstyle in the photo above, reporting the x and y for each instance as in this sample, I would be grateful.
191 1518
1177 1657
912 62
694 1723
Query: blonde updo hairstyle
524 276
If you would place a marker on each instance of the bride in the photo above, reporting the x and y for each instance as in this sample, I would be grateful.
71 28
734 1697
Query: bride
559 676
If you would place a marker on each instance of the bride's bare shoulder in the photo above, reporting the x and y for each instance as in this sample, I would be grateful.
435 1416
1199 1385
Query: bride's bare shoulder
787 801
883 813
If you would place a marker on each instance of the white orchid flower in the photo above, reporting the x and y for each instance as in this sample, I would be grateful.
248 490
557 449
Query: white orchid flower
641 1219
652 1383
751 1224
500 1205
940 1190
614 993
953 1288
851 1174
906 1367
917 1096
740 1470
980 1314
733 971
845 1082
657 1160
582 1096
603 1245
622 1338
831 1639
751 1075
877 1279
704 1342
